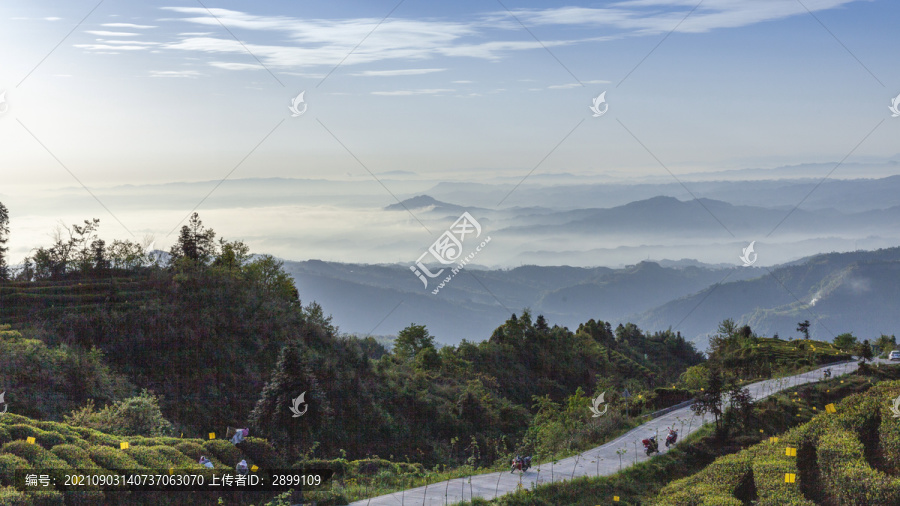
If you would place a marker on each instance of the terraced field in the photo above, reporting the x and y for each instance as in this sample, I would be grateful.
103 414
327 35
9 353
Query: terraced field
61 446
21 301
848 457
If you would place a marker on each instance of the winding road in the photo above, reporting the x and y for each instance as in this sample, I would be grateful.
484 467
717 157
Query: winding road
600 461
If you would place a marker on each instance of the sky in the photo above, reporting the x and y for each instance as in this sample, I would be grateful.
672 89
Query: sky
97 95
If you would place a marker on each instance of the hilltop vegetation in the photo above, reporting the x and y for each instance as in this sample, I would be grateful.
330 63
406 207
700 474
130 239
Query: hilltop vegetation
218 337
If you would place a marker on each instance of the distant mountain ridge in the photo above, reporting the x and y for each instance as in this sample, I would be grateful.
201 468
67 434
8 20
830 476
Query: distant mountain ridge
854 292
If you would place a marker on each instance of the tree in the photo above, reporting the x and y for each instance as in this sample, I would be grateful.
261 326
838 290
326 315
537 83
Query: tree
886 343
411 340
863 350
845 341
803 328
710 398
4 233
741 403
195 243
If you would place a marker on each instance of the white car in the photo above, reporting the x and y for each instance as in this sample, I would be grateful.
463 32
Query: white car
894 355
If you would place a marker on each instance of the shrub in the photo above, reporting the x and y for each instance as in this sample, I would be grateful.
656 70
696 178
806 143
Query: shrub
12 497
340 467
191 449
8 465
37 456
224 451
175 458
262 453
75 456
113 459
139 415
148 457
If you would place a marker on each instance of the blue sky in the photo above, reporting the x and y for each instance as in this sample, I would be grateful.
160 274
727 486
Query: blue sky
162 91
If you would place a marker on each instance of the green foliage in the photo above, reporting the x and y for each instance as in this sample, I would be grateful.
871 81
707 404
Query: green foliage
261 453
74 455
224 451
832 464
411 341
139 415
4 237
113 458
845 341
37 456
43 381
8 465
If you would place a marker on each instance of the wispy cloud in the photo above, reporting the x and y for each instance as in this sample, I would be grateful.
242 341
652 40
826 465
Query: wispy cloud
235 66
401 72
126 25
644 17
175 73
291 43
111 34
576 85
431 91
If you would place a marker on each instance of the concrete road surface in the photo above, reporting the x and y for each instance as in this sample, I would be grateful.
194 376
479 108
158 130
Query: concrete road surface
600 461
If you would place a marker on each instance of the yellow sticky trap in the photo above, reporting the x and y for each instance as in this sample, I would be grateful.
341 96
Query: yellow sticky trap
773 439
760 430
254 468
829 408
815 408
212 435
790 478
123 445
30 440
615 498
790 452
171 470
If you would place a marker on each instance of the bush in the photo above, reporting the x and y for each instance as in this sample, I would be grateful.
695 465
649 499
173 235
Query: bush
75 456
191 450
12 497
148 457
262 453
175 458
113 459
8 465
223 450
139 415
38 457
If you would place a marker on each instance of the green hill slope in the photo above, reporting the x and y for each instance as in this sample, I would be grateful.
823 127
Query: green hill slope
849 457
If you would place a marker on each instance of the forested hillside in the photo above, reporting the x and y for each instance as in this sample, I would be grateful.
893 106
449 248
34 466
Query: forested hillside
219 338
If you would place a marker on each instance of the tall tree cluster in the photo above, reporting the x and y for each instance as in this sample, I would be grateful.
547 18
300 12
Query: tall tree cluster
4 237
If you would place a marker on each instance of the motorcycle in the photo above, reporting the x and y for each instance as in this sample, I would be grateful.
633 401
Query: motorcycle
671 438
520 464
650 445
